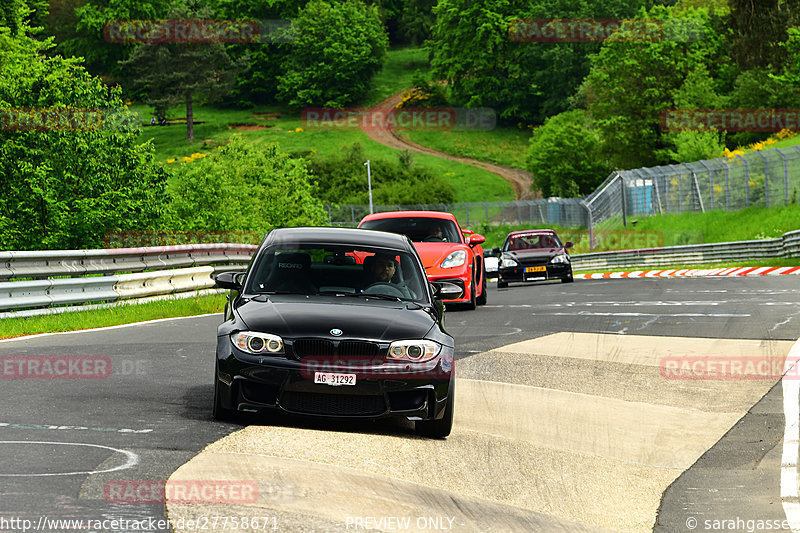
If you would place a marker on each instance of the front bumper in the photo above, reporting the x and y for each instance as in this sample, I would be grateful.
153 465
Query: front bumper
259 384
518 273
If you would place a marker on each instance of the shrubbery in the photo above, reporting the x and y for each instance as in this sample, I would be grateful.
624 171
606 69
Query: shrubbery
68 186
243 187
343 179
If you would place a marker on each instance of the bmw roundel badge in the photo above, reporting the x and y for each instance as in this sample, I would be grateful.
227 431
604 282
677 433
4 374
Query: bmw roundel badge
336 332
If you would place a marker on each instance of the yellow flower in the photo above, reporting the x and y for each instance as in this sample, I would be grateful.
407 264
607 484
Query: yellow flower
198 155
298 130
171 160
187 159
313 151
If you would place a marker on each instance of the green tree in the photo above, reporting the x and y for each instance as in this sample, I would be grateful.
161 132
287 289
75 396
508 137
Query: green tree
65 185
697 92
86 39
183 73
632 83
416 20
563 156
242 187
486 62
339 48
758 28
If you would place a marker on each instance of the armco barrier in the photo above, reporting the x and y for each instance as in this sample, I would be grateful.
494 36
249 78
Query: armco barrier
67 277
723 252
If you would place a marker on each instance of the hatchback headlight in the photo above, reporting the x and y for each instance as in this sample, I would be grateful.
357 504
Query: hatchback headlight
416 350
258 343
455 259
560 259
507 262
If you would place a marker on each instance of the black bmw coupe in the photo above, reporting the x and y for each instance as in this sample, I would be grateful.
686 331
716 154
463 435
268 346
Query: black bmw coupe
336 323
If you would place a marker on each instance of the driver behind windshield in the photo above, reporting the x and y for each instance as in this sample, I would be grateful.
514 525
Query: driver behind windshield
379 268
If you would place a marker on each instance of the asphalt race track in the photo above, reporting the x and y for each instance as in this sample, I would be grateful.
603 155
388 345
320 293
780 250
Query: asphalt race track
572 414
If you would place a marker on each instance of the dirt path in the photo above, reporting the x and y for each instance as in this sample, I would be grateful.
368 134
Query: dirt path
385 134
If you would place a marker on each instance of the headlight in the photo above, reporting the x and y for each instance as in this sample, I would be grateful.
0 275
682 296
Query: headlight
416 351
455 259
560 258
507 262
258 343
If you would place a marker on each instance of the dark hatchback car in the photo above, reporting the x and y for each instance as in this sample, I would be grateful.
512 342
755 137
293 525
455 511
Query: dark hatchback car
336 322
533 255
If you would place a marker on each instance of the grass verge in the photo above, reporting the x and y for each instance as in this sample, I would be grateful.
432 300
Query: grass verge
112 316
503 145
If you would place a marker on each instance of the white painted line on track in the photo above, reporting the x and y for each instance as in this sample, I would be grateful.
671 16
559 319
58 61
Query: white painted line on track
131 461
106 328
791 440
593 313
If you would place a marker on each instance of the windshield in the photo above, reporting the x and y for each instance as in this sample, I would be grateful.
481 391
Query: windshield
338 270
418 229
532 241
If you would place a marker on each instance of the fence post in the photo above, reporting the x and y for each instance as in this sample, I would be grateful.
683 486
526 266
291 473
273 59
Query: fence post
330 218
590 224
502 211
746 181
352 215
624 203
710 181
785 177
727 184
766 177
486 210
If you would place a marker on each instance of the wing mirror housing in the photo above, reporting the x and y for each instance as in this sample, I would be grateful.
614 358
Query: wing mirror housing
568 244
229 280
444 290
476 238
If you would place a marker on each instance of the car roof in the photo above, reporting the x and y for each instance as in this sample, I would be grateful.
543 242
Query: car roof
411 214
345 236
527 231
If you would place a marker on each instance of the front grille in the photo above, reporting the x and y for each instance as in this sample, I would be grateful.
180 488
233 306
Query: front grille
322 348
534 262
350 348
333 404
313 348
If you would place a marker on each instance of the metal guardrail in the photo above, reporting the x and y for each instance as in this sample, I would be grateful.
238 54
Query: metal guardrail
786 246
70 277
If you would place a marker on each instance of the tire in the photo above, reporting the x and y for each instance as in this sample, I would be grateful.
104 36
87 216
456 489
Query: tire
472 300
484 293
438 429
568 279
218 412
501 284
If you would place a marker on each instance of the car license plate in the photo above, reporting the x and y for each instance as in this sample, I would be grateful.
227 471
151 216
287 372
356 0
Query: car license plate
330 378
536 269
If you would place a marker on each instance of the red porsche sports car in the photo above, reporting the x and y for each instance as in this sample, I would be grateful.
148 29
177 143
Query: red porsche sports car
447 252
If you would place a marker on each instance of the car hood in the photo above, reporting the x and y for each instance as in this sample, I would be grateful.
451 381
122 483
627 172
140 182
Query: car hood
539 253
433 253
294 316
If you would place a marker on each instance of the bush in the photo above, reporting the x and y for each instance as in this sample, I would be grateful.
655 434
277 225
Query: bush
67 186
245 188
563 156
339 48
343 179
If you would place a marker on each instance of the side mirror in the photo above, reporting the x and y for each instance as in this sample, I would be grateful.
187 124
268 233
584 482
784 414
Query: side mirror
476 238
444 290
229 280
496 252
568 244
